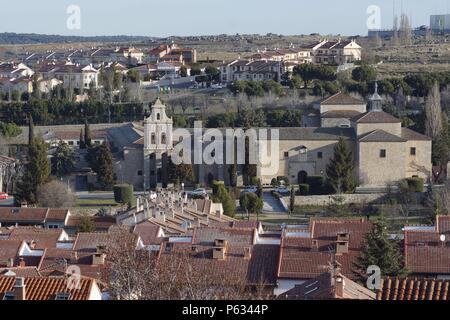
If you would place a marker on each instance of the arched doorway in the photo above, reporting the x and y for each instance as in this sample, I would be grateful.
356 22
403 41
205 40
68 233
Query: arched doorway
302 176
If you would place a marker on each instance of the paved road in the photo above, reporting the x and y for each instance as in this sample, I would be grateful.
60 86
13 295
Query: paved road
272 204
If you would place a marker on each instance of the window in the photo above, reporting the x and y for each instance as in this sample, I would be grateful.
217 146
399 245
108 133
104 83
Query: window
153 139
319 155
139 173
8 296
286 154
412 151
152 173
383 153
62 296
158 116
163 138
70 143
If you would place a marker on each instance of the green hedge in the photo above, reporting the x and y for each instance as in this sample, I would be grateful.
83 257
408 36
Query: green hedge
415 184
123 193
316 184
303 189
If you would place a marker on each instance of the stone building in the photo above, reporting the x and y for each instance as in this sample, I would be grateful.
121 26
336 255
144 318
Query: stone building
384 152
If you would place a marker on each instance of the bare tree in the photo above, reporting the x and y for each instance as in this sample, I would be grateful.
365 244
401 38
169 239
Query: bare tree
433 113
141 274
56 194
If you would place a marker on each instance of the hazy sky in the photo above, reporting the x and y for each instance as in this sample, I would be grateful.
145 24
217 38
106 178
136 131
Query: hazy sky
197 17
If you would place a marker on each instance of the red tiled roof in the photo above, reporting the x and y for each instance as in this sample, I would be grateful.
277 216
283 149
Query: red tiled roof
38 288
301 258
413 289
342 99
9 249
148 232
31 215
44 238
424 251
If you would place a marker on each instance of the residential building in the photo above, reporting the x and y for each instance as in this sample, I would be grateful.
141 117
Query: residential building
251 70
43 288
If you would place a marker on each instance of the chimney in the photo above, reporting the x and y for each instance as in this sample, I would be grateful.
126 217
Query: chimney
19 289
247 253
22 263
315 245
341 247
220 248
98 259
10 262
339 285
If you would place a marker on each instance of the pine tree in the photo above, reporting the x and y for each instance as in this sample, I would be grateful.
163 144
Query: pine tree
340 169
36 174
87 135
379 250
105 168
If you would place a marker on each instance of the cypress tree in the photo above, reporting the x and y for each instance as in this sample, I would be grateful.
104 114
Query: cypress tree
340 169
36 173
82 143
379 250
87 135
105 168
30 131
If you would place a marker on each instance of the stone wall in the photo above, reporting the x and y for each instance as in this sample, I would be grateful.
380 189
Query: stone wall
348 199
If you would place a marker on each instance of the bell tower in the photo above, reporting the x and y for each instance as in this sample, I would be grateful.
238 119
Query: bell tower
375 101
157 145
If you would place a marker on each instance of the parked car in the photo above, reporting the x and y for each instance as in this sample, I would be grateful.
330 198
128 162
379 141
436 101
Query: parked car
3 195
283 191
200 192
250 189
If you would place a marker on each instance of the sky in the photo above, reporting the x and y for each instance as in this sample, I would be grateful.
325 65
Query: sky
161 18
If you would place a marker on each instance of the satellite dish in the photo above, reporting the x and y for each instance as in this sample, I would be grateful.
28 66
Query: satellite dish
442 237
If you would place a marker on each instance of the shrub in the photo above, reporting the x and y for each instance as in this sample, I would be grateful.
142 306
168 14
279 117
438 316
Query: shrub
274 183
315 184
123 193
415 184
303 189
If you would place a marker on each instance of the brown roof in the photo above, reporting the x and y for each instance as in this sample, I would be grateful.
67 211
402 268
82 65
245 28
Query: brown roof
21 271
44 238
100 223
38 288
393 288
235 237
306 256
341 99
409 134
381 136
424 251
340 114
148 232
9 249
328 287
234 269
376 117
31 215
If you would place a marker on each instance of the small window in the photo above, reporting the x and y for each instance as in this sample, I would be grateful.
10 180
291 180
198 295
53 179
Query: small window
158 116
286 154
153 139
139 173
62 296
163 138
319 155
383 153
152 173
70 143
412 151
8 296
